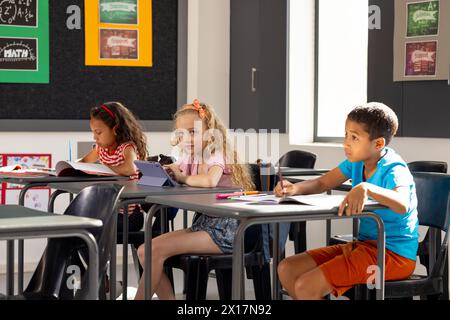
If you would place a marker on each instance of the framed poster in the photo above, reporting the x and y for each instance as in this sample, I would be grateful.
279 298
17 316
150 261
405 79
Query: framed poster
119 33
36 198
24 41
421 40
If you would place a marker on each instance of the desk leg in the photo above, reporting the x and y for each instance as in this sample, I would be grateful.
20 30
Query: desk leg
10 267
113 262
125 253
185 217
20 247
163 220
51 202
238 285
328 232
381 243
93 268
276 261
148 252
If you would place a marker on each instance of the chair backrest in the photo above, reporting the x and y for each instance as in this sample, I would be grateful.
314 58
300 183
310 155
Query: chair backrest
263 176
97 201
298 159
433 199
428 166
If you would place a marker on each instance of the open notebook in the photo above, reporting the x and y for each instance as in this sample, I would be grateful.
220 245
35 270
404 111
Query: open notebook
320 200
63 168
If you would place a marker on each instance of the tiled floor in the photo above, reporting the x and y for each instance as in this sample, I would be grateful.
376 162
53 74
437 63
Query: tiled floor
212 293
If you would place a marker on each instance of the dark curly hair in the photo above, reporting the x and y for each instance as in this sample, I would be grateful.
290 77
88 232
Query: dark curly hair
127 126
378 120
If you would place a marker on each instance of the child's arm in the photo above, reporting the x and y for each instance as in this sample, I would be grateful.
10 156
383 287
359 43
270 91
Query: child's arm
91 157
396 199
209 180
127 168
328 181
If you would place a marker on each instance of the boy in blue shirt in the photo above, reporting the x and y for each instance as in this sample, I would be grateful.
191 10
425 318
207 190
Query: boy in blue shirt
376 172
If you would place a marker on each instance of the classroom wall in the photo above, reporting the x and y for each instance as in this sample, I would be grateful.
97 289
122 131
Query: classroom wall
208 74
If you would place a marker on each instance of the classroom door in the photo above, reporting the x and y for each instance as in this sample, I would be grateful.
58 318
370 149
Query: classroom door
258 64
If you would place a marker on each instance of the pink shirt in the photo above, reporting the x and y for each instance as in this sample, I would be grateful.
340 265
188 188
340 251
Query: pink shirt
191 166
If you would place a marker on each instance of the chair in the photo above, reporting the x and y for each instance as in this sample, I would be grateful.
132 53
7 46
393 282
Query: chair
197 267
428 166
50 277
298 159
433 194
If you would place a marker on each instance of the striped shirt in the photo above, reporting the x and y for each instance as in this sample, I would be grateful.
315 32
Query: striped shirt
115 159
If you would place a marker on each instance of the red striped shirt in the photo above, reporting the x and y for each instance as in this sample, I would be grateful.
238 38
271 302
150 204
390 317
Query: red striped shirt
115 159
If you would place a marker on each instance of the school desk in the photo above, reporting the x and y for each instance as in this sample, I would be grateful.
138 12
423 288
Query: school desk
251 214
30 182
133 193
18 222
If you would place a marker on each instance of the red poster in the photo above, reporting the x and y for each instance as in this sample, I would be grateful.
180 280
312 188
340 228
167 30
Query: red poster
421 58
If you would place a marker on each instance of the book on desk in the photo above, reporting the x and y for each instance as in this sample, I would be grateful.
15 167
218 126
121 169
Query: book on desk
62 169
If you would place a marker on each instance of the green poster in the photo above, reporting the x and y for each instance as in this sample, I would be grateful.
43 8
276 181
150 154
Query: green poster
24 41
119 11
423 18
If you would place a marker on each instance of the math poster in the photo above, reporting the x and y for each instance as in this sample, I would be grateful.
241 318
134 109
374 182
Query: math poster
24 41
421 40
119 33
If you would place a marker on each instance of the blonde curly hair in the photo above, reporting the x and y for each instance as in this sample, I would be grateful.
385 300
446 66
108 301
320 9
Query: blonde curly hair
240 172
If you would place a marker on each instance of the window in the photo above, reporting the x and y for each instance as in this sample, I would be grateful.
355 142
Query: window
342 63
333 35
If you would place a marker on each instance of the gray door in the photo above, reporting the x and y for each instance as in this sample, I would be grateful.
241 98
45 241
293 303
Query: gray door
258 64
244 63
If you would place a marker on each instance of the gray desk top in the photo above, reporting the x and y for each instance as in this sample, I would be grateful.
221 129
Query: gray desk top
133 190
49 179
239 209
14 218
286 171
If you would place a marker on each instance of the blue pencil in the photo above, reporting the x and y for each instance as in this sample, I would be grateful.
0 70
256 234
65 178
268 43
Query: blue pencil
70 151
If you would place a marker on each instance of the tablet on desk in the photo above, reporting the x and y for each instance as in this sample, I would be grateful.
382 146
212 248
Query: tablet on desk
153 174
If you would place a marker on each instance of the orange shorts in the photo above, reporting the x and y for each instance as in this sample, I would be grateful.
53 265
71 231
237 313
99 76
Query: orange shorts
345 265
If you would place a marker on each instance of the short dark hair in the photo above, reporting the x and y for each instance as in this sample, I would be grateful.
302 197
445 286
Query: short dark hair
378 119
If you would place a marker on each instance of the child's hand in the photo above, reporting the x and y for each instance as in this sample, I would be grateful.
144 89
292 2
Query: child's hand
354 201
288 189
175 172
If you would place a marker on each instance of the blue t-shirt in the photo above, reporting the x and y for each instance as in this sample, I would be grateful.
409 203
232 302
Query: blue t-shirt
402 230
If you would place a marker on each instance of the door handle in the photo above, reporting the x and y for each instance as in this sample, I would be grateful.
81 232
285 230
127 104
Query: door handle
254 70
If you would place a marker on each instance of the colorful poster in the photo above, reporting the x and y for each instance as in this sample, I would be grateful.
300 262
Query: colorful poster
118 44
36 198
421 58
423 18
119 11
119 33
421 40
24 41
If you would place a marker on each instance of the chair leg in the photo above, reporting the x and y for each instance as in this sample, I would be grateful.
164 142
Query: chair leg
223 280
202 279
136 263
190 276
261 282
